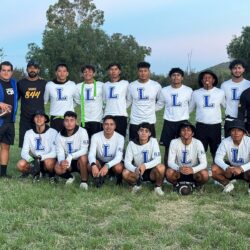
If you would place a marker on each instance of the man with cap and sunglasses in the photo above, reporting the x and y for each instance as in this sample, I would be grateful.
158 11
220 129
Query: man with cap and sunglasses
232 160
30 91
39 145
187 158
208 101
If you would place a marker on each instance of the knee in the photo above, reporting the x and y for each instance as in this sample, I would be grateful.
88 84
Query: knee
118 169
215 169
170 175
49 164
22 165
125 174
160 169
204 175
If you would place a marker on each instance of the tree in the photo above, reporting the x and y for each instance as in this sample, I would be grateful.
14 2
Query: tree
239 46
73 36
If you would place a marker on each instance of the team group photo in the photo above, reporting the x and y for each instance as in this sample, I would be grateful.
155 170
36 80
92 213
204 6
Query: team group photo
124 125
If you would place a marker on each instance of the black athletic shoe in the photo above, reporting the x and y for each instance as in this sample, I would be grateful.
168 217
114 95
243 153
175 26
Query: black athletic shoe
24 175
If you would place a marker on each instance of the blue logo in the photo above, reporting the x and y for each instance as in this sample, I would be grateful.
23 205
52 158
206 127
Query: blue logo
206 102
70 147
105 150
145 156
88 95
184 158
38 144
60 96
141 94
235 156
235 96
174 101
112 95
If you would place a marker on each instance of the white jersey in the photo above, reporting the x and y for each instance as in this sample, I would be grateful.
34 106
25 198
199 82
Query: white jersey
114 95
74 146
208 105
147 154
60 97
237 155
109 151
232 92
93 106
192 155
39 144
176 101
143 97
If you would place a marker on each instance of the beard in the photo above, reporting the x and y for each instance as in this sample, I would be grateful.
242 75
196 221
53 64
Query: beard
32 74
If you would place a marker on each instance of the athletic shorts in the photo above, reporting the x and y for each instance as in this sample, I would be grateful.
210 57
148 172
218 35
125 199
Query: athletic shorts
92 128
133 131
169 132
146 175
24 126
227 124
209 135
7 133
187 178
121 125
74 167
56 123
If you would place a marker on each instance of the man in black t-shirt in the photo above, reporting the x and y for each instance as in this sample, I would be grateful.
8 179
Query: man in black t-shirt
31 91
8 103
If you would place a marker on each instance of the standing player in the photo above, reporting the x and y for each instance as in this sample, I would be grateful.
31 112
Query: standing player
208 101
39 143
143 161
60 93
232 160
187 158
143 95
176 99
31 92
244 108
233 89
8 103
106 151
89 96
114 95
72 148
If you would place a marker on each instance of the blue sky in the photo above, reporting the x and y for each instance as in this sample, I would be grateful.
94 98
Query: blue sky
173 29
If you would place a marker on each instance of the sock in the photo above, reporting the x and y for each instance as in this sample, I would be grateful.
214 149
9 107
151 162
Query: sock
3 170
82 181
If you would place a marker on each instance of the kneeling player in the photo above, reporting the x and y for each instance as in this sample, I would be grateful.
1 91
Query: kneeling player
187 159
236 149
39 146
106 152
72 148
143 161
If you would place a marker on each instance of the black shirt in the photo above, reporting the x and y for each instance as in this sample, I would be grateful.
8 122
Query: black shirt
31 94
8 92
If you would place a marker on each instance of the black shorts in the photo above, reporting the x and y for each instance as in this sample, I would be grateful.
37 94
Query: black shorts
74 167
169 132
24 126
227 125
209 135
133 131
121 125
187 178
92 128
146 175
56 123
7 133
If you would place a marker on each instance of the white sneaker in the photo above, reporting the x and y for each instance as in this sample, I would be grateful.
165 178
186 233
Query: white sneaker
158 191
228 188
70 180
84 186
136 188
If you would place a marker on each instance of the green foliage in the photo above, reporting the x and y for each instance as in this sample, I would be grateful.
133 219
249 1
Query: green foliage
73 36
239 46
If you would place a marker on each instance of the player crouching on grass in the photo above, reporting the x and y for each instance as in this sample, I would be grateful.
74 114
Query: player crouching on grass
72 147
39 147
106 152
187 161
143 161
236 149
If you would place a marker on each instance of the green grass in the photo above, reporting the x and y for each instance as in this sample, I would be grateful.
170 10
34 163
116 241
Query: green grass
44 216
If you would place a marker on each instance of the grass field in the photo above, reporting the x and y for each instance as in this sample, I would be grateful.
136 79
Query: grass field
45 216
